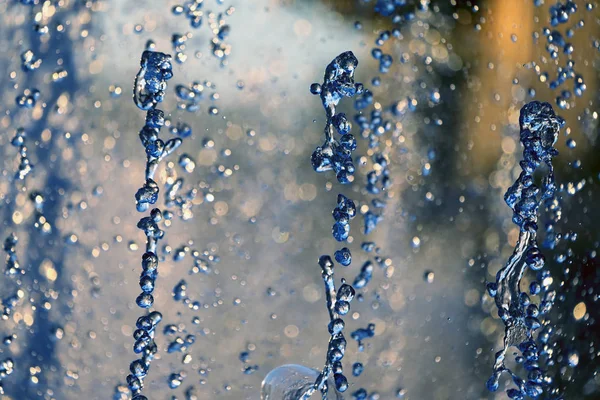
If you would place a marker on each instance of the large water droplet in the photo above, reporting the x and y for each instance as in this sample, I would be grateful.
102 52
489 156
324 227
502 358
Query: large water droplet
287 382
290 382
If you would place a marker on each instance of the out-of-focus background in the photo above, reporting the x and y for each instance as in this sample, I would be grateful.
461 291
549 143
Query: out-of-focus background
261 215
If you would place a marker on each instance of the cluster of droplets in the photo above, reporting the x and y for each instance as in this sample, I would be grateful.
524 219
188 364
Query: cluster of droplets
40 222
385 60
361 334
181 129
29 61
371 221
419 14
193 11
539 129
187 163
398 10
557 43
25 165
42 19
376 125
183 202
220 31
149 90
189 97
15 272
180 294
6 368
342 214
373 126
202 263
365 274
338 82
378 179
13 268
560 12
248 368
179 344
178 41
28 99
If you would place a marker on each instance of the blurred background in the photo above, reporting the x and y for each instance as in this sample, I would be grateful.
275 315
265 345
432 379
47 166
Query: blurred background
259 216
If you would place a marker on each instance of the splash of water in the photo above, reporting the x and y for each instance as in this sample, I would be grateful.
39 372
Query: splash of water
539 127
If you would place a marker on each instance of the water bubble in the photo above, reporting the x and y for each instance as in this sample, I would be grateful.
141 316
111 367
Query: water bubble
289 382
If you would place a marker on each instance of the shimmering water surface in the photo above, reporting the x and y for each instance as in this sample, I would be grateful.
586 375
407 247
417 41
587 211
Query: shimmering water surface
294 200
